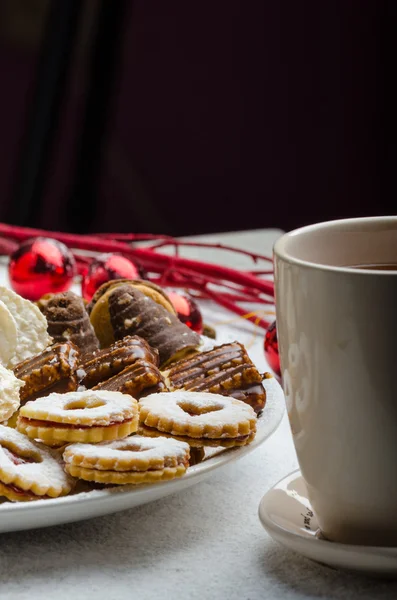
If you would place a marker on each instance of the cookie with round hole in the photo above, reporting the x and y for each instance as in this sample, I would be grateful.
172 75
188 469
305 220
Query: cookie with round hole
88 416
198 418
29 470
133 460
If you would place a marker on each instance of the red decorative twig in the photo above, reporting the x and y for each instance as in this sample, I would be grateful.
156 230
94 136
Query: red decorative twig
148 258
224 285
181 273
178 243
182 278
247 299
167 240
133 237
260 272
238 310
7 246
222 300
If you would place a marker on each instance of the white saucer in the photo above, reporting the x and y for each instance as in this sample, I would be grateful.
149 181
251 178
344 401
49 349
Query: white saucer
286 514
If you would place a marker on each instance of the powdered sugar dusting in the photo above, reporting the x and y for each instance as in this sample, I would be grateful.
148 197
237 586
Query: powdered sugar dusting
206 344
149 448
9 393
46 471
8 335
31 326
85 503
97 407
226 411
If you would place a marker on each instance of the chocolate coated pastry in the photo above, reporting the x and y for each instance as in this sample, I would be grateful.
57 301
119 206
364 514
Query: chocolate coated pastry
53 370
139 379
98 308
101 291
226 370
68 320
105 364
155 292
133 313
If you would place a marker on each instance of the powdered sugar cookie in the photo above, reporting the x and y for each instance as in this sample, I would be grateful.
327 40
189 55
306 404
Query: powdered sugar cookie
89 416
9 393
30 323
135 459
198 444
201 418
28 470
8 335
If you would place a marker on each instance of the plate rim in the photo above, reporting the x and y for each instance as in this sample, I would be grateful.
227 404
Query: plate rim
27 511
277 404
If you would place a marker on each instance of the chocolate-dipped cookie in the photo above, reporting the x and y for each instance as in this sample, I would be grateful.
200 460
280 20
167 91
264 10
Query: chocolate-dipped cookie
98 308
226 370
54 370
109 362
68 320
133 313
138 380
154 291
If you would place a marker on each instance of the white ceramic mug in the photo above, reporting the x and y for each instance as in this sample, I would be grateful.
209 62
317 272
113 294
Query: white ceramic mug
337 332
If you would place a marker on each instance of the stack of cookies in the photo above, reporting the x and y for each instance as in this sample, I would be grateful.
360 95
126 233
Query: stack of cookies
116 392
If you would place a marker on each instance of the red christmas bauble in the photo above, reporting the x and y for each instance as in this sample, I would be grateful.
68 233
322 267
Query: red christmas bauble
41 266
271 349
104 268
187 309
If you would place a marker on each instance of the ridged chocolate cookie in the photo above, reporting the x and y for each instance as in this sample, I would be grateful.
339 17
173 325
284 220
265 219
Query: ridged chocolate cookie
133 313
68 321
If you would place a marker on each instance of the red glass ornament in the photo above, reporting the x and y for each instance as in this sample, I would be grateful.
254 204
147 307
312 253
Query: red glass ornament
104 268
271 349
187 309
41 266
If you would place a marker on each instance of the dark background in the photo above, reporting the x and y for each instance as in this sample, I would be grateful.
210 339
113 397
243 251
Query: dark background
189 117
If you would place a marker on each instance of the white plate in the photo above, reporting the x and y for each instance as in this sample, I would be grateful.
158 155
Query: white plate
286 514
43 513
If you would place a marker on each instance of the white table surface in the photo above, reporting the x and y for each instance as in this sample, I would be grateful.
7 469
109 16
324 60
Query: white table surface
203 543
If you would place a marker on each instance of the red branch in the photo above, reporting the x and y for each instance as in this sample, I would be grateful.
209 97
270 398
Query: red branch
181 273
173 270
167 240
7 246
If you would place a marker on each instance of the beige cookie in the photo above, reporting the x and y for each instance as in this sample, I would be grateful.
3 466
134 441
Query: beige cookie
30 323
9 393
203 418
8 335
28 470
135 459
197 444
88 417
